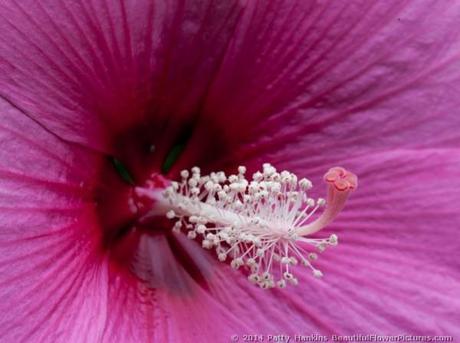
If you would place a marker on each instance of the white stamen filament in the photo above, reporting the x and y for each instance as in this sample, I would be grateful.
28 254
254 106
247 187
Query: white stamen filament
258 224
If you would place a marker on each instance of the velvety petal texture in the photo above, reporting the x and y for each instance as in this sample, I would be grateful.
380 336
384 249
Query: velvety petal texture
305 85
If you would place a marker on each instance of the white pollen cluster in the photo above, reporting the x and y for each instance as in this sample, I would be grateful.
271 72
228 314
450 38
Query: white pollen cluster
253 224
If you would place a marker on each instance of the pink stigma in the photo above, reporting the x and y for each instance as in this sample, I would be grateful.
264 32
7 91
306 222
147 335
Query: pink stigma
341 183
341 179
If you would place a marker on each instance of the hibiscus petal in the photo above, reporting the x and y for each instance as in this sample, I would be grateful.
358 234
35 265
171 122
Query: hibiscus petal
88 69
67 96
46 232
396 265
57 282
340 78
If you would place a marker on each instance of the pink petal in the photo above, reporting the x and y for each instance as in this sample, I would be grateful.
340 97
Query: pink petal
396 266
341 78
48 234
81 82
57 283
87 70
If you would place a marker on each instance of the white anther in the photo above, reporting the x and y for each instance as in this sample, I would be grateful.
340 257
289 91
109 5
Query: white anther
209 185
210 236
285 174
206 244
317 273
310 202
257 176
223 236
254 278
266 276
251 262
236 263
184 174
281 284
288 276
202 220
285 260
170 214
201 229
221 177
233 178
305 184
333 239
293 261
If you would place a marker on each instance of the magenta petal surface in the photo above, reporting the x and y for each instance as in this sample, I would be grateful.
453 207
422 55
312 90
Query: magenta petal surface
395 267
87 70
304 85
48 236
341 78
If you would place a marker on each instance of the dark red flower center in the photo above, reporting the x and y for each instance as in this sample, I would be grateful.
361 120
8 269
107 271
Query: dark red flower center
146 148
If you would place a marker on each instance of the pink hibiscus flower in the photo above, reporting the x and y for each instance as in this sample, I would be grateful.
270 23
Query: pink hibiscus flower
95 96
